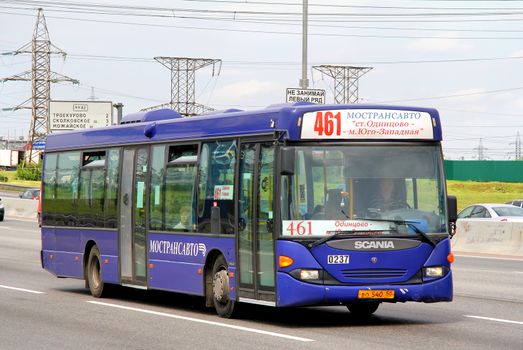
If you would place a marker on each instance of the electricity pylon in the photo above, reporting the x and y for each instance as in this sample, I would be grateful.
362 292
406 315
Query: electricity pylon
183 83
41 78
345 81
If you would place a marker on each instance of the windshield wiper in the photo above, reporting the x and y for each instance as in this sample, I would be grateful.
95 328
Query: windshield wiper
328 238
407 223
338 234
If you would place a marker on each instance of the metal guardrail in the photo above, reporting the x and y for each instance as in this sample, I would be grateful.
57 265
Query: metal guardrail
11 187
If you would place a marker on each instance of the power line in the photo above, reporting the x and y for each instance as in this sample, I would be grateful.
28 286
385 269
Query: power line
276 32
490 12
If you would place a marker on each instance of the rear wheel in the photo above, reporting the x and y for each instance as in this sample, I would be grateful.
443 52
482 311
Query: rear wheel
220 289
363 309
94 274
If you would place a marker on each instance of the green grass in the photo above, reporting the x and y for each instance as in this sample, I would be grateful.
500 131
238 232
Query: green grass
11 176
471 192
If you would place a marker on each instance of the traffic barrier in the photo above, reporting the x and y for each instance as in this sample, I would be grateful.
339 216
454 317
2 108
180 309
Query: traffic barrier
504 238
16 207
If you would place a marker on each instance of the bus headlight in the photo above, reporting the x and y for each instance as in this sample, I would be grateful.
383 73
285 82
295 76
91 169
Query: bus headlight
309 274
434 271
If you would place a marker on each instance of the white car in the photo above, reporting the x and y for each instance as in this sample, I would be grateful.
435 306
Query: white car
492 212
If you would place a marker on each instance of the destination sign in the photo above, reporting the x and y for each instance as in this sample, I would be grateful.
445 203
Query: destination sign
367 124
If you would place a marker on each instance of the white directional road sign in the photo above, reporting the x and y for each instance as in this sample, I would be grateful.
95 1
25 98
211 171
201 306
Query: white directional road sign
72 115
306 95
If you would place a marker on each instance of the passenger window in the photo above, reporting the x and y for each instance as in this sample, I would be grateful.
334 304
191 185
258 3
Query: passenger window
91 191
49 188
67 189
111 188
157 191
216 185
179 189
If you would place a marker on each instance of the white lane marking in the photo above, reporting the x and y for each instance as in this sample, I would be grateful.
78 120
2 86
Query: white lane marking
487 257
494 319
484 270
240 328
22 289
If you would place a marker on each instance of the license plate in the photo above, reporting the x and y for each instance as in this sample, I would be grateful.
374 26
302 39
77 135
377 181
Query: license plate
376 294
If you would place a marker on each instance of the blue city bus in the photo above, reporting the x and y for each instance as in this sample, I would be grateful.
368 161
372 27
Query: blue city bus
278 207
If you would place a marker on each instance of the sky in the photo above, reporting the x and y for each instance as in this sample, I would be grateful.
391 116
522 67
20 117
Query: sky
464 58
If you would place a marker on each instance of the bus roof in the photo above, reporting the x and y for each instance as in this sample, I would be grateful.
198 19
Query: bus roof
300 121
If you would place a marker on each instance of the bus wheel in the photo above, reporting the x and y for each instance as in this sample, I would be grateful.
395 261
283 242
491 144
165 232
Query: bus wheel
220 289
94 273
363 309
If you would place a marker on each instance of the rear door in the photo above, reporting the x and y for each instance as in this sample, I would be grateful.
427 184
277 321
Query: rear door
133 216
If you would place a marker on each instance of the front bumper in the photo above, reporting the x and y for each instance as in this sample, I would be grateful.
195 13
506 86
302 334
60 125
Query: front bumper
293 292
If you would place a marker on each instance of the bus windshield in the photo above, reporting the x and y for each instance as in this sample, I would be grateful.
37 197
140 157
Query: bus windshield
364 189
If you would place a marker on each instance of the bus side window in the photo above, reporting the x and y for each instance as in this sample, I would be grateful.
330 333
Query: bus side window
67 189
179 188
49 190
216 184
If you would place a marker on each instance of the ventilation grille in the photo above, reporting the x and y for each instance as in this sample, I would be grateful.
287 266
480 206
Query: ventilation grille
374 273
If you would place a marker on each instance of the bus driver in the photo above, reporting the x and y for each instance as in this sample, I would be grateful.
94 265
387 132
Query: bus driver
387 197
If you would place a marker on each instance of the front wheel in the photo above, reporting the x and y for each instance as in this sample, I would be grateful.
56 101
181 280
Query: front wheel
363 309
94 274
220 289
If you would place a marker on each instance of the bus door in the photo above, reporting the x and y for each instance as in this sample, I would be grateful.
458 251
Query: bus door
255 228
133 221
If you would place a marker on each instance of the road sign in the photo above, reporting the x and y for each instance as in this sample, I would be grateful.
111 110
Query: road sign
73 115
306 95
38 145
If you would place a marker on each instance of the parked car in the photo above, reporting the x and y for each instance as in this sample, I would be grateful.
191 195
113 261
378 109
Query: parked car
32 193
2 210
492 212
516 202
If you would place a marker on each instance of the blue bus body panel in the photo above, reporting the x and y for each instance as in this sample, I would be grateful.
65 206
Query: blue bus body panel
293 292
63 251
390 266
286 118
178 261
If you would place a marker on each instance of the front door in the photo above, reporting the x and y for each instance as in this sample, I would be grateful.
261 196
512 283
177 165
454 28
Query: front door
133 218
255 238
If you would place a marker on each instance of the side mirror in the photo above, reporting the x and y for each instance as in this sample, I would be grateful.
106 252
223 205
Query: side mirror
287 159
452 205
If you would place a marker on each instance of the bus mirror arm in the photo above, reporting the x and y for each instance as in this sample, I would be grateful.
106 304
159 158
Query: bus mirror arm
215 220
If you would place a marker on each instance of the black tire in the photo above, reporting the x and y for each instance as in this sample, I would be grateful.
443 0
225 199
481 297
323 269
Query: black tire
220 289
94 274
363 309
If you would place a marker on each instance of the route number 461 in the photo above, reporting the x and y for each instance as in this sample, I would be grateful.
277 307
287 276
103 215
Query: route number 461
327 123
300 228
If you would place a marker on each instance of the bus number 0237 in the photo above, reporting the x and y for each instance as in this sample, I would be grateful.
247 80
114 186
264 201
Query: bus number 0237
328 123
300 228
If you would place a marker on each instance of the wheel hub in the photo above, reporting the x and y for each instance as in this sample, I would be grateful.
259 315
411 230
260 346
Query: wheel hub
221 286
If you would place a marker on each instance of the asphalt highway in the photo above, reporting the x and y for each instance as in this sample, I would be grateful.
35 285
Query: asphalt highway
39 311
